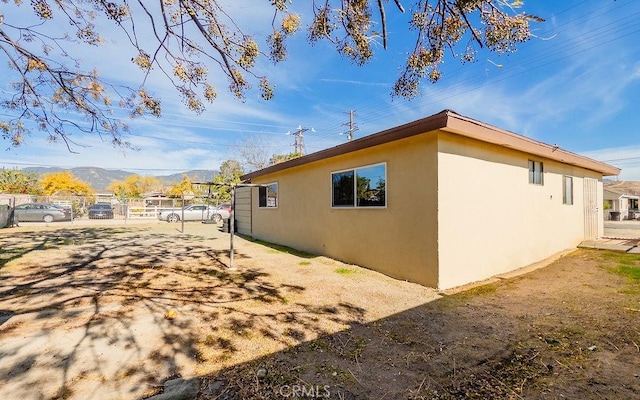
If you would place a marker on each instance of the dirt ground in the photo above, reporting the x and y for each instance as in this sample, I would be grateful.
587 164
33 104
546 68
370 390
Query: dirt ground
111 312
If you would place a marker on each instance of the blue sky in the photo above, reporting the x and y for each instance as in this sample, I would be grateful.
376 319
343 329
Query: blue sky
575 84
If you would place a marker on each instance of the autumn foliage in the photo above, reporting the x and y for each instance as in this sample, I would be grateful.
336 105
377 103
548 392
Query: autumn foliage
64 183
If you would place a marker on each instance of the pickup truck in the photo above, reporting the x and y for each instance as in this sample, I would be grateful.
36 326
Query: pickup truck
195 212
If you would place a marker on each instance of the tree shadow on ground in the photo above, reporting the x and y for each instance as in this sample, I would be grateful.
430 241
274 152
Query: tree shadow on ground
122 309
280 248
118 311
567 331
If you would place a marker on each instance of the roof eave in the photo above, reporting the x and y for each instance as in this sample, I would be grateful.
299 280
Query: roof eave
468 127
452 122
424 125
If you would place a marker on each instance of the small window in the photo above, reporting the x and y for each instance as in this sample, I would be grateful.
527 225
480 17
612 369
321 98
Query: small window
360 187
268 196
535 172
567 190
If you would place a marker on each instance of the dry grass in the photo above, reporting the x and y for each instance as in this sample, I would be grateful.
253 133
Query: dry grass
164 304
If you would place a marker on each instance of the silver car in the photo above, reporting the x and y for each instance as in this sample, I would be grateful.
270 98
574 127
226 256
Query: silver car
33 212
196 212
222 211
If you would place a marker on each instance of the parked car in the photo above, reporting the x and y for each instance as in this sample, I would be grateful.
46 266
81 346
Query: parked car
32 212
68 212
196 212
222 211
101 211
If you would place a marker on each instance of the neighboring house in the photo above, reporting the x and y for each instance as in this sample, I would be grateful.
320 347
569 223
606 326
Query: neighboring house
158 199
106 197
442 201
621 205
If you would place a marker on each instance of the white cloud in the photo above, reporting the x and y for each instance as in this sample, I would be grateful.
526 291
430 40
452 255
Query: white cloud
554 90
356 82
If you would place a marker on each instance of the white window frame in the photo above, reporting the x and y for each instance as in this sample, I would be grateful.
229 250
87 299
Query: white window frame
355 189
567 196
536 172
266 187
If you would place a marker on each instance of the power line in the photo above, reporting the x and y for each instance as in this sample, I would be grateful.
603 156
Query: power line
625 161
593 40
372 109
352 126
298 137
462 83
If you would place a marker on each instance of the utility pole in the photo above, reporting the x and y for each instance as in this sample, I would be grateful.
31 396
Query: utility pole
298 137
352 126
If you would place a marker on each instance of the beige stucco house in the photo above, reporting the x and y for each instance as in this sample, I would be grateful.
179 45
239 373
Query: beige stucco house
442 201
621 205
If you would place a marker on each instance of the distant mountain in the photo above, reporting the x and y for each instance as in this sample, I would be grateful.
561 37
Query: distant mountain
627 187
197 175
99 178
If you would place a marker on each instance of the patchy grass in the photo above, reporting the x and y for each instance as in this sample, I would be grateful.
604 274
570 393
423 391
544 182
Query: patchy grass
345 271
626 265
473 291
488 288
631 272
277 248
169 307
622 258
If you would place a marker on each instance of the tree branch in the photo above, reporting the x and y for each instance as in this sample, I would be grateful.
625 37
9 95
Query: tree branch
210 40
466 21
383 19
399 5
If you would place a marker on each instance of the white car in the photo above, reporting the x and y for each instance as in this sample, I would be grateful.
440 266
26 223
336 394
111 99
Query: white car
223 211
196 212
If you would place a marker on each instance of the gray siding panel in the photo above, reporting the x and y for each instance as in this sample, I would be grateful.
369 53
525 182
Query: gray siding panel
243 210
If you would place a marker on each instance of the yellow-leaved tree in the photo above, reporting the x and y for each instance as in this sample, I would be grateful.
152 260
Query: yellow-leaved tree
64 183
135 186
185 187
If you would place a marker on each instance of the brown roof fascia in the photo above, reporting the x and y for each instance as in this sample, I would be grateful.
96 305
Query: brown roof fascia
452 122
431 123
471 128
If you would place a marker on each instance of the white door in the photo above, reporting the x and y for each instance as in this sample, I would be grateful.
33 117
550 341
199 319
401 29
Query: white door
590 208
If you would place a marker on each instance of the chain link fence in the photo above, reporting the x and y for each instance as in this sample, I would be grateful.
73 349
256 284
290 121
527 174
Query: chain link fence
103 207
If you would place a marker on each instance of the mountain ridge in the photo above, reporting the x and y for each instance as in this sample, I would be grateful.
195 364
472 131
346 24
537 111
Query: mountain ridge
99 178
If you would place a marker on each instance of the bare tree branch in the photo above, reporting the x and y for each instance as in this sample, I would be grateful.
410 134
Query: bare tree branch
54 95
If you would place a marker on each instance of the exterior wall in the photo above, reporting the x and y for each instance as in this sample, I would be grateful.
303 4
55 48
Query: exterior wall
458 210
492 220
242 210
622 205
399 240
